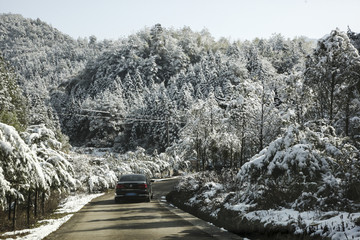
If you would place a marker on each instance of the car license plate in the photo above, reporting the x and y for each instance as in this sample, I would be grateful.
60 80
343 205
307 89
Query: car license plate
131 194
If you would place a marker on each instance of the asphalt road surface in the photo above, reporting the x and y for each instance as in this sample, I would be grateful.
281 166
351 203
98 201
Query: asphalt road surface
104 219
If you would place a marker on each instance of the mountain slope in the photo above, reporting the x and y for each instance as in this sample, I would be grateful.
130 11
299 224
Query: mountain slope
43 57
139 91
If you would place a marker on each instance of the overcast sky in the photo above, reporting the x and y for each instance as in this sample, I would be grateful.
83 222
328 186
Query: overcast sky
234 19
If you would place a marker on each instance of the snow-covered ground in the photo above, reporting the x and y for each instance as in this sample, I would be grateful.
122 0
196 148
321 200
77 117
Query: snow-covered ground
70 205
210 196
336 225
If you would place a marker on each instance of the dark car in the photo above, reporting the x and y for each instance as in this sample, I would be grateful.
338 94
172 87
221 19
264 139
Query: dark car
133 187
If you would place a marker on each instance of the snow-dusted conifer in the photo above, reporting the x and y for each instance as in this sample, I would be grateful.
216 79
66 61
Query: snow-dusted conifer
304 169
332 74
20 165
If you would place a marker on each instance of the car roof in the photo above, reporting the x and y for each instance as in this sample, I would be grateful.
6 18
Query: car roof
133 177
131 174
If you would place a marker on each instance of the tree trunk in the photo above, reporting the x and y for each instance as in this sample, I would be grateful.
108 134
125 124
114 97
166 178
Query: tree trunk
43 203
197 152
332 91
36 202
14 213
231 156
9 207
261 134
242 143
203 159
347 112
28 208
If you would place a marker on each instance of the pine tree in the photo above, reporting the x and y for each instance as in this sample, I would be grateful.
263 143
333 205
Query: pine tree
12 103
332 76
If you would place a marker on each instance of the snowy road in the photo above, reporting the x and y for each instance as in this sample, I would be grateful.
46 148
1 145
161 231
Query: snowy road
103 219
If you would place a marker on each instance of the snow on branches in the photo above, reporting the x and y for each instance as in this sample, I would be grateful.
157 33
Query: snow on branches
31 164
309 167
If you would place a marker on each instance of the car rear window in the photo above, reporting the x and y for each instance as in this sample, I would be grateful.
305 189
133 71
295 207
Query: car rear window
132 178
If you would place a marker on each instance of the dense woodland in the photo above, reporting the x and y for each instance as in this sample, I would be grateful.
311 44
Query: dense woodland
215 103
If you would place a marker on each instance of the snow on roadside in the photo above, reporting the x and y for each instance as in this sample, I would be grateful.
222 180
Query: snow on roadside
76 202
336 225
70 205
213 198
50 226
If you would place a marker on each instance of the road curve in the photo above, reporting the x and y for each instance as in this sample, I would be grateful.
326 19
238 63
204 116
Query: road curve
103 219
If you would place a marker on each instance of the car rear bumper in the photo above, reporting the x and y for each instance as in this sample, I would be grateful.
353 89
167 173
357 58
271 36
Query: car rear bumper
132 195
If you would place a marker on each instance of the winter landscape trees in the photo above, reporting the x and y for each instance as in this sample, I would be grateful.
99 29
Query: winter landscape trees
12 102
281 113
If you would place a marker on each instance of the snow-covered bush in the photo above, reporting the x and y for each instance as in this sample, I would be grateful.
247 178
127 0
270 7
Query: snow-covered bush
102 178
307 168
206 191
305 182
41 136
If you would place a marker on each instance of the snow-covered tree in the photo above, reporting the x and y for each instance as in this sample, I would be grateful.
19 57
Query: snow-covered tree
331 77
20 166
306 168
12 103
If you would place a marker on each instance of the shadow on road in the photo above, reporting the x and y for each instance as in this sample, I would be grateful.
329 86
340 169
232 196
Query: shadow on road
188 234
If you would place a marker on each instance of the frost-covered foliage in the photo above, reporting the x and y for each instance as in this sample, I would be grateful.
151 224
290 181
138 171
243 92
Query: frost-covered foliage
21 169
308 168
207 190
32 161
5 187
332 80
12 103
35 161
355 38
98 170
211 196
43 58
209 136
142 90
305 182
58 169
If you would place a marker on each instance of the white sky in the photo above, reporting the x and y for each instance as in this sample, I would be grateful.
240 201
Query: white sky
234 19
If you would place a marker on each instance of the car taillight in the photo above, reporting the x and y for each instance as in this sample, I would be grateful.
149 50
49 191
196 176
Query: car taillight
142 186
120 186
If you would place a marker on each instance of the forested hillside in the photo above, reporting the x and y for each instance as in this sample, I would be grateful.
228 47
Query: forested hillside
164 86
142 91
43 58
283 113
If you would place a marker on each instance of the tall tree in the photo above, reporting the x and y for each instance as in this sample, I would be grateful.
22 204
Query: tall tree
332 76
12 102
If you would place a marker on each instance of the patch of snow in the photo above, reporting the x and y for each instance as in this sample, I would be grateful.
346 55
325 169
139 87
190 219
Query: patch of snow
215 213
40 232
76 202
338 224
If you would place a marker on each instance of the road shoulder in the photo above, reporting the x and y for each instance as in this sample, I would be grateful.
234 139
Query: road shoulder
202 225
